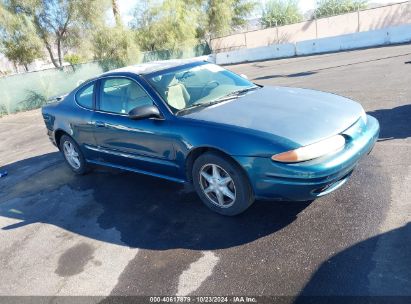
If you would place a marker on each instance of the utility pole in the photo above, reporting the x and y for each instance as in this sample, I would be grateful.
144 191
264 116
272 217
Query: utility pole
276 25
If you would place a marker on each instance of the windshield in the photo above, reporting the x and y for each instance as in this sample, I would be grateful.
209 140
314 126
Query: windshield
198 86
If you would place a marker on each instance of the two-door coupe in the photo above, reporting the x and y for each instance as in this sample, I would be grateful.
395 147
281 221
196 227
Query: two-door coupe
196 122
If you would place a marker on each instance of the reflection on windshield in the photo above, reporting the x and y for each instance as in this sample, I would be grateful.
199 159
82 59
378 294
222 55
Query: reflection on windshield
197 86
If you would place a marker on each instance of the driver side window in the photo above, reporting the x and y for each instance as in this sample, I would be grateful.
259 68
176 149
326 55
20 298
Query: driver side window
121 95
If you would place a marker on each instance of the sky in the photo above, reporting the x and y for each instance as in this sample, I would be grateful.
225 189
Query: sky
127 6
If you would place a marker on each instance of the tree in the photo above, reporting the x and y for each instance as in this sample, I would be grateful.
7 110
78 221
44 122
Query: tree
59 23
20 50
116 12
170 25
19 42
114 47
173 24
223 16
242 10
326 8
280 12
73 59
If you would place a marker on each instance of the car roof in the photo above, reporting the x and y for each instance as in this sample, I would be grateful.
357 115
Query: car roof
155 66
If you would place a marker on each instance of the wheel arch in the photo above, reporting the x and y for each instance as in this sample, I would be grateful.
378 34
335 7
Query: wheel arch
198 151
57 136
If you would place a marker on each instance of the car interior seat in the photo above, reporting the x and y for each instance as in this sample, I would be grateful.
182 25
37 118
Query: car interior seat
136 97
177 95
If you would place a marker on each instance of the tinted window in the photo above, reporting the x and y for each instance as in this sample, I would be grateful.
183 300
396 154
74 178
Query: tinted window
84 97
121 95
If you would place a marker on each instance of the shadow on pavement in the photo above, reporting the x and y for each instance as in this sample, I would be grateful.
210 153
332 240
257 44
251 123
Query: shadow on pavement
378 266
301 74
394 123
129 209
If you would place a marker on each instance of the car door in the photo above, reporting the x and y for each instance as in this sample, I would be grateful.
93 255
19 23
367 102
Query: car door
80 118
143 145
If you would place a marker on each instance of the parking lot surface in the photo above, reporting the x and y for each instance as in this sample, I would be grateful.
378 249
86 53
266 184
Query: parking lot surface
118 233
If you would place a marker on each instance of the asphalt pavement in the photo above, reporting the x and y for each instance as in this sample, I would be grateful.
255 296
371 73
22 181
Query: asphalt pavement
118 233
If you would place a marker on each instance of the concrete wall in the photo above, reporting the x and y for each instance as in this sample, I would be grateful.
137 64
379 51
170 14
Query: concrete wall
390 35
337 25
297 32
282 34
362 21
254 54
386 16
229 43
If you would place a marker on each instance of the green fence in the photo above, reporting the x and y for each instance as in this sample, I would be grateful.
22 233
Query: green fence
31 90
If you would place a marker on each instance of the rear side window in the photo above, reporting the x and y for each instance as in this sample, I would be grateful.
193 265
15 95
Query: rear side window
121 95
84 97
115 86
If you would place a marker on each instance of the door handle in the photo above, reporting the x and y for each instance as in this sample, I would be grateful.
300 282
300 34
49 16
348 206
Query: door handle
99 124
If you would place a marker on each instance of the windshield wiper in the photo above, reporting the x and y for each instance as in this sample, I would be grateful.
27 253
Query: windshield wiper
199 105
220 99
238 92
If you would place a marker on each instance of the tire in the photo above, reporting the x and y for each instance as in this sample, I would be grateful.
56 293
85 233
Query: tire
217 191
79 167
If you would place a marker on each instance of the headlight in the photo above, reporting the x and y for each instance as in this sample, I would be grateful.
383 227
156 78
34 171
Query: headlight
324 147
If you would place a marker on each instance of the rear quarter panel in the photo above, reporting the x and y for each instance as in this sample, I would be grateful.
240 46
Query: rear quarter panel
68 117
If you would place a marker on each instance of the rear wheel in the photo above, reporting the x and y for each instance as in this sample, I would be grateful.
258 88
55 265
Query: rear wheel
221 184
73 155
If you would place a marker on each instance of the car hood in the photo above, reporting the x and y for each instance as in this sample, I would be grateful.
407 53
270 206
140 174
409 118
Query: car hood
299 115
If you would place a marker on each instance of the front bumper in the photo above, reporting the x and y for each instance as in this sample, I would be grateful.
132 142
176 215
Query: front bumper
311 179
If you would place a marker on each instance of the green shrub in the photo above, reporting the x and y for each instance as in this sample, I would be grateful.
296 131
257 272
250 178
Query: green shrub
327 8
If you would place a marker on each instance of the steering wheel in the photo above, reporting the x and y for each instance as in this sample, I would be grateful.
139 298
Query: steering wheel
207 85
186 74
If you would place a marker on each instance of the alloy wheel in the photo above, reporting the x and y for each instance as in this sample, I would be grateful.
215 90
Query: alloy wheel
217 185
71 155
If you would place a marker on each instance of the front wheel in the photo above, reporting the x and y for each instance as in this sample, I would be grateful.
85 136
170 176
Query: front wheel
73 155
221 184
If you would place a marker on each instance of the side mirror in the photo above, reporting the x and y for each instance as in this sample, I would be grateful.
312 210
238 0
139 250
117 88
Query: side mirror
144 112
